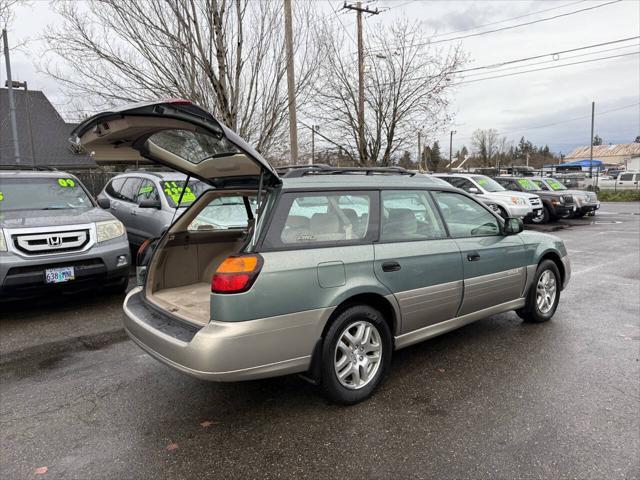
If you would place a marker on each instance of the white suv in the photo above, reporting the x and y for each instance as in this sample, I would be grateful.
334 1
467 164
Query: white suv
512 204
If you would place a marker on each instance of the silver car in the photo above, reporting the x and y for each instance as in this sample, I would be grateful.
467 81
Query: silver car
146 202
334 270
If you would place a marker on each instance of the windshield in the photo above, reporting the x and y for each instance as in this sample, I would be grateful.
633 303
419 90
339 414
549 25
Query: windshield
42 193
528 184
488 184
173 189
555 184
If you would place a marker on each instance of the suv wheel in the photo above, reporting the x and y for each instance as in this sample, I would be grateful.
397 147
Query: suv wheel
544 294
355 355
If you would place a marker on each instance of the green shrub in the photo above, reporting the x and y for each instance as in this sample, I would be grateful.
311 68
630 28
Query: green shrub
619 196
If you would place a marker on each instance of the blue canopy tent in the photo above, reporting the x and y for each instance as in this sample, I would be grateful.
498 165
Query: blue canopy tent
584 163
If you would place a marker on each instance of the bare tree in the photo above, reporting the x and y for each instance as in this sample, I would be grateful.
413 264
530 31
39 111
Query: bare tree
486 145
6 11
226 55
406 88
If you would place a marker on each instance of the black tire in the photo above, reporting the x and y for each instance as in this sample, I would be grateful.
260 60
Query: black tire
544 218
579 214
531 312
120 286
331 385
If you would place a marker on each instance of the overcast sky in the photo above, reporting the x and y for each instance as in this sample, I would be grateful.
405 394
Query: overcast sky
513 105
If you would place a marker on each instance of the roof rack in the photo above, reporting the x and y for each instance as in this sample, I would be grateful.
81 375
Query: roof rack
297 171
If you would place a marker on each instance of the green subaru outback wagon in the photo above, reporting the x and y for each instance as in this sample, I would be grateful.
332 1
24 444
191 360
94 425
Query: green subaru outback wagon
329 271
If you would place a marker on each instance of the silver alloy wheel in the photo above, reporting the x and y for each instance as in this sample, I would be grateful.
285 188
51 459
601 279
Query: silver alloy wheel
546 291
358 355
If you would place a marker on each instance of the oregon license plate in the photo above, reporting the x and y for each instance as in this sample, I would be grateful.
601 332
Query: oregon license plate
59 275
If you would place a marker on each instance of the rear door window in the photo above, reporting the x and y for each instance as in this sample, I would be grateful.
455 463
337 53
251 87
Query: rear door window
114 187
130 189
626 177
409 215
322 219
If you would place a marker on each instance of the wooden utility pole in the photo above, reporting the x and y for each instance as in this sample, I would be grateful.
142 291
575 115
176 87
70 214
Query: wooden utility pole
419 151
291 88
12 104
451 148
593 112
314 129
362 151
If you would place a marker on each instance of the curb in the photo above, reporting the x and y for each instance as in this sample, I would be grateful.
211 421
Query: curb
73 344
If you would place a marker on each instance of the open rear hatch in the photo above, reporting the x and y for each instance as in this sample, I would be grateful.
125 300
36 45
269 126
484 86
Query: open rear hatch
186 138
179 135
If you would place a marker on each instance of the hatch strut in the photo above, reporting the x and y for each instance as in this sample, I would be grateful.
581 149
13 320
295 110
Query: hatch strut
258 208
184 187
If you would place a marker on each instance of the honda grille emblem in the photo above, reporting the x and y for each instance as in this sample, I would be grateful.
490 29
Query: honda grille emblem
54 241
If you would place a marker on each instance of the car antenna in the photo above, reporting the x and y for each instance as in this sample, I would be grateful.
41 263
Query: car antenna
184 187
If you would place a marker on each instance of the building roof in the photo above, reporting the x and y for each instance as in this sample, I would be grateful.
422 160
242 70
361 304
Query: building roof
50 133
620 150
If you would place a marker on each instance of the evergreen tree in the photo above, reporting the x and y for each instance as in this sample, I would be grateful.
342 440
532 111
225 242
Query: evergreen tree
435 157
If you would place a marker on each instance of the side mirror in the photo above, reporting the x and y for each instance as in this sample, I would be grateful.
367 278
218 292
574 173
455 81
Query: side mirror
104 202
149 203
473 190
513 226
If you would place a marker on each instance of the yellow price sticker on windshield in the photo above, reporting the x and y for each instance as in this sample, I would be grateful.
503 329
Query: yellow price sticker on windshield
482 181
1 196
66 182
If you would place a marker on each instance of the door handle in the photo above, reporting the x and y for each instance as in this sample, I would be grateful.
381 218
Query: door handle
473 256
392 266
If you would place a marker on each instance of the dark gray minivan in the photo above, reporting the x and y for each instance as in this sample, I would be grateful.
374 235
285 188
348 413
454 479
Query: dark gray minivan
334 269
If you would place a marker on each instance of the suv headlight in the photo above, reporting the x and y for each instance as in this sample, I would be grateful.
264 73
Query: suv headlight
3 244
109 230
518 201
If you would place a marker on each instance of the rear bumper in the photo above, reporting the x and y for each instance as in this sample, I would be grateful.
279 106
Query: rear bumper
225 351
22 276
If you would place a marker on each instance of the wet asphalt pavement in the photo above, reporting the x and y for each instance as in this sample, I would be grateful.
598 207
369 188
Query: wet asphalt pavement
495 399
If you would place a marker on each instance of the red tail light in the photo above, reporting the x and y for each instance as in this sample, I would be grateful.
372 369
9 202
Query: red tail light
236 274
140 253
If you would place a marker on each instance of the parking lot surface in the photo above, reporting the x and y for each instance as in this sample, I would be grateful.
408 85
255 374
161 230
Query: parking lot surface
495 399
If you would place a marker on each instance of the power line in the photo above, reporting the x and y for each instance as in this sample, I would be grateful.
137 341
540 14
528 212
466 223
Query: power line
427 77
510 26
535 57
554 60
549 68
561 122
570 119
